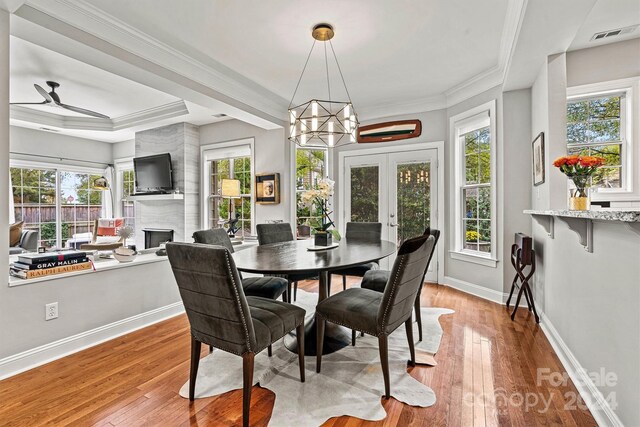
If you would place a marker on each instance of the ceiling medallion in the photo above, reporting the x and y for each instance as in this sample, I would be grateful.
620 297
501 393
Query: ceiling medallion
317 122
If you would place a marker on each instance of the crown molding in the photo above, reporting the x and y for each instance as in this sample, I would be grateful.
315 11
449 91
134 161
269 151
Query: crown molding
419 105
90 19
495 75
208 72
53 120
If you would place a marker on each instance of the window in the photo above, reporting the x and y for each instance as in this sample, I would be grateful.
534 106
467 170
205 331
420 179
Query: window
222 209
595 127
56 203
473 134
311 167
600 122
128 212
34 198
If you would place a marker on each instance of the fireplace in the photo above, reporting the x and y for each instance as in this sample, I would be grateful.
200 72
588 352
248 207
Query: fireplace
153 237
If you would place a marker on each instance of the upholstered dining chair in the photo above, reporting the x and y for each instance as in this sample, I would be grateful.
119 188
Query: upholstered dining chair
222 316
377 280
266 287
277 233
367 231
379 314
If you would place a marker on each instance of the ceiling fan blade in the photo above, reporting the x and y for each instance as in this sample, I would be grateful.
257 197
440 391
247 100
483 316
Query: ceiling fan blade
28 103
82 111
44 93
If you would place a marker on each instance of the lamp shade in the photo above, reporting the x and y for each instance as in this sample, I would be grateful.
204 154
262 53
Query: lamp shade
101 183
230 188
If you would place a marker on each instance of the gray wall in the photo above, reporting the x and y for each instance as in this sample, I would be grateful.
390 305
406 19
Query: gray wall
42 143
590 299
124 149
7 299
271 154
599 64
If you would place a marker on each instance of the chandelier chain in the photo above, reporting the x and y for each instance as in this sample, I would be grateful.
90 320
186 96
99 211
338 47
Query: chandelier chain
340 72
326 64
302 74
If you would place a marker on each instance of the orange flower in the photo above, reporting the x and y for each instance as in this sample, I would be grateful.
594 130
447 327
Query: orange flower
559 161
572 160
591 161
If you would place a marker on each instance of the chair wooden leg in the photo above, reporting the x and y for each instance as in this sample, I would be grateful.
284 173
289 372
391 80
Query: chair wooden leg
328 284
320 322
295 290
353 337
412 351
300 339
288 291
344 282
361 334
418 318
210 349
247 384
195 361
269 351
384 361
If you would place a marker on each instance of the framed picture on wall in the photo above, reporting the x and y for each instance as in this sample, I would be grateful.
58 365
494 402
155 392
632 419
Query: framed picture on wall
538 159
268 188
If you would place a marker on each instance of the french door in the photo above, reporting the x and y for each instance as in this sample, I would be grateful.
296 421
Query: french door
396 189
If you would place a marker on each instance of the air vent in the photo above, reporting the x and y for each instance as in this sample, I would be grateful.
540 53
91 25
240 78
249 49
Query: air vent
49 129
613 33
219 116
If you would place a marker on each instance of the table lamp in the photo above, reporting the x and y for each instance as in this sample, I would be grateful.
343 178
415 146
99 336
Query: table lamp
230 190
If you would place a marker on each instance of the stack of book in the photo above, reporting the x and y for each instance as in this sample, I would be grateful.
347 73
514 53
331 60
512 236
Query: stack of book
38 265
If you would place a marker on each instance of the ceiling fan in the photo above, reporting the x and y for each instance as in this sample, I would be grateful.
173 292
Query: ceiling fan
52 97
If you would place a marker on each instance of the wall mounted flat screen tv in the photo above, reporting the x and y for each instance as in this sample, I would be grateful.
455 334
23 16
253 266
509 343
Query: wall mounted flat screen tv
153 174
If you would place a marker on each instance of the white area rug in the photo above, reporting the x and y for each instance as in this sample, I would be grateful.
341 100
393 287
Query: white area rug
350 383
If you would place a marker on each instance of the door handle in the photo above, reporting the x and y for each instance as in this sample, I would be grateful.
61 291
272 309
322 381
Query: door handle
393 225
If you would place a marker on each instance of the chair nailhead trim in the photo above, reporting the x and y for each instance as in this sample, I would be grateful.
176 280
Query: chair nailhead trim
235 290
393 290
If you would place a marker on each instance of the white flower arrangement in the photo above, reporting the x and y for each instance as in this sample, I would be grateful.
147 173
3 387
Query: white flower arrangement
320 196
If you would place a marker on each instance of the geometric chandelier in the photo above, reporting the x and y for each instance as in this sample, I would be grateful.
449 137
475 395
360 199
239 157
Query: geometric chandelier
323 123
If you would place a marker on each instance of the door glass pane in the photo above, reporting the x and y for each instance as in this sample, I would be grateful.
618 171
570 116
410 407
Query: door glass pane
414 199
364 194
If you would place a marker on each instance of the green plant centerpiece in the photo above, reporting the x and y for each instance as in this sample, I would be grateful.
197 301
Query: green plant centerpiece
319 196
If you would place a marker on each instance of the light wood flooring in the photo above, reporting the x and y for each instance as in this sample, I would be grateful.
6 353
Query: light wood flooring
487 375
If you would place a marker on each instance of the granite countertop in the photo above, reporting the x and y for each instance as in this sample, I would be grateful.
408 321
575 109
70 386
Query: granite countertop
600 214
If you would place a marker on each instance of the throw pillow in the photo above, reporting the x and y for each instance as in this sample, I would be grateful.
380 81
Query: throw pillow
15 233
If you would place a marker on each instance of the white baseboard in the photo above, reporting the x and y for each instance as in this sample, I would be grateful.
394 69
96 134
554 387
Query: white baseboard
592 396
29 359
473 289
482 292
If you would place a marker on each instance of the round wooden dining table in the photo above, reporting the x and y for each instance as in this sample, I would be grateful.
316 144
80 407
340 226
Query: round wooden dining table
294 257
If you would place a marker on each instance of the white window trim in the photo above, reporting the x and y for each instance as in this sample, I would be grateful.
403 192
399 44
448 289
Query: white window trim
630 190
457 124
222 150
119 165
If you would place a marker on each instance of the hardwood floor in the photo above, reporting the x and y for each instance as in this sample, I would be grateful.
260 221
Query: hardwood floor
487 375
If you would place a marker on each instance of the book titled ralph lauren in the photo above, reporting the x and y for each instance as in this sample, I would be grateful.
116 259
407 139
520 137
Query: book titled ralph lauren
50 257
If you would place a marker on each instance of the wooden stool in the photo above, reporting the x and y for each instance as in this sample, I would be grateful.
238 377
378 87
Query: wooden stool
523 255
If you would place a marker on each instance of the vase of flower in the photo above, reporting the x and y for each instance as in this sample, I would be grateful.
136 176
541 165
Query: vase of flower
319 196
579 169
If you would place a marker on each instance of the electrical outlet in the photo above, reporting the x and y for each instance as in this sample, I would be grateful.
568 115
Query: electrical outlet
51 311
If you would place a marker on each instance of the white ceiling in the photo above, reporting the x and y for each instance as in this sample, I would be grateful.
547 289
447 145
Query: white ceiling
389 51
89 87
608 15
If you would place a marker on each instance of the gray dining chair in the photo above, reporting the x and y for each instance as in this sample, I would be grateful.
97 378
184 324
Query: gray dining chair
377 280
278 233
222 316
266 287
364 231
379 314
